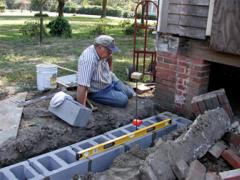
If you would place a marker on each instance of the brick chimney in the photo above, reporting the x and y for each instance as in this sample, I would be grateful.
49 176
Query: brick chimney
179 78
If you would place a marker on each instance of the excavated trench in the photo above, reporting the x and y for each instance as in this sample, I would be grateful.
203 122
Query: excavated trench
40 131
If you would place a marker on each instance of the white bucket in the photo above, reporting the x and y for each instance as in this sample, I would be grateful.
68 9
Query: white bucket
46 76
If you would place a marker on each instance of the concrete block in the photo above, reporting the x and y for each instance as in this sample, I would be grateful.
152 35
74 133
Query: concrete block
230 175
3 176
164 131
169 114
181 122
72 112
217 149
60 164
101 161
180 169
143 142
19 171
231 158
104 160
197 171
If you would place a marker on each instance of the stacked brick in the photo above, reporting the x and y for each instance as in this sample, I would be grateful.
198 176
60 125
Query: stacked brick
211 100
179 79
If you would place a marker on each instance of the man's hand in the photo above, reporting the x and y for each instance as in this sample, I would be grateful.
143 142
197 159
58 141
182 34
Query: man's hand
82 92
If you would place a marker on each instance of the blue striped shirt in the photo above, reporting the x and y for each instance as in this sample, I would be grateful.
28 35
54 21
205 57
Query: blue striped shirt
93 72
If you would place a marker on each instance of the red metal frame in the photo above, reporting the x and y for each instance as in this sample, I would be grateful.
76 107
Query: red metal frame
145 26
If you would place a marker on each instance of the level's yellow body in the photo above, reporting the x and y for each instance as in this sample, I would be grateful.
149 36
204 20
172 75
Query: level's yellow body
121 140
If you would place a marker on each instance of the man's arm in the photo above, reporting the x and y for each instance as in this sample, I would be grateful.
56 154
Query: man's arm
110 63
82 92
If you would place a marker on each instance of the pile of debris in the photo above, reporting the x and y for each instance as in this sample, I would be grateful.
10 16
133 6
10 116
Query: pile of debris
178 159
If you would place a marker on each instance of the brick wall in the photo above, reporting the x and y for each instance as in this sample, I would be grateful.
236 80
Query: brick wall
178 79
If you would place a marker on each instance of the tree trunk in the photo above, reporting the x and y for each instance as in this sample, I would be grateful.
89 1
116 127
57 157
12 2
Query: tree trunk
104 8
61 4
41 24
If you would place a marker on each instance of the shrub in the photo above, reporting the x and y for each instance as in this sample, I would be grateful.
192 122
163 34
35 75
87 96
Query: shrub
60 27
128 14
124 23
97 10
71 7
100 28
39 15
129 29
32 28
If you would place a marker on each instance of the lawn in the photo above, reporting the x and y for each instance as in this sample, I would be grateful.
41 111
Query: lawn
20 54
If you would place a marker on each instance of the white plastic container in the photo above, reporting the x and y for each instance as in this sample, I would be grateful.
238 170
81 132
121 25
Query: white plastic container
46 76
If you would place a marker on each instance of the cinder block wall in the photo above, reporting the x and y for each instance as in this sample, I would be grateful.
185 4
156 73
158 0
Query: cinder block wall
178 79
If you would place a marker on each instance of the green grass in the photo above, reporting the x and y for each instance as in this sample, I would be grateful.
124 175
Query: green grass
21 54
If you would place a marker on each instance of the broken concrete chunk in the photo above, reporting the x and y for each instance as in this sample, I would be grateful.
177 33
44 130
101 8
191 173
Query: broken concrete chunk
217 149
181 169
234 125
202 134
197 171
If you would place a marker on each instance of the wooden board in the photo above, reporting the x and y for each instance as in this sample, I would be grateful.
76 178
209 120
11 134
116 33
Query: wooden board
226 26
10 116
186 18
191 2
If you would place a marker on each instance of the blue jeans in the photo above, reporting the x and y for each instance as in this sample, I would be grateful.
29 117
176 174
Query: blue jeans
115 95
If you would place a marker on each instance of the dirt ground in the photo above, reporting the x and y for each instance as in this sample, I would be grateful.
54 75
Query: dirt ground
40 131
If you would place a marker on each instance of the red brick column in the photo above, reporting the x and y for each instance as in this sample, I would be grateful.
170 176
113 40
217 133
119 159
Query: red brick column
178 79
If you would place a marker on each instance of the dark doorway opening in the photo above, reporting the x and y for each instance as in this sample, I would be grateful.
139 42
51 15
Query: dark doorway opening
227 77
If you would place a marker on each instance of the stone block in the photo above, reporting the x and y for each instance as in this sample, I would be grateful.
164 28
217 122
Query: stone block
72 112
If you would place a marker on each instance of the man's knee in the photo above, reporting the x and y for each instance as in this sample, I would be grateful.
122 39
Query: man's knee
123 101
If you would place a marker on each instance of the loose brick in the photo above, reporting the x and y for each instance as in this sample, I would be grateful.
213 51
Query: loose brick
231 158
201 106
195 109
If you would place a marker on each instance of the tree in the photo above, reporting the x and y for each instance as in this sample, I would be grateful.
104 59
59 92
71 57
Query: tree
84 3
41 3
10 4
104 8
61 4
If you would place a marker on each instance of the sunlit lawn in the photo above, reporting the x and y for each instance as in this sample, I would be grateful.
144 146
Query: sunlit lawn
20 54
